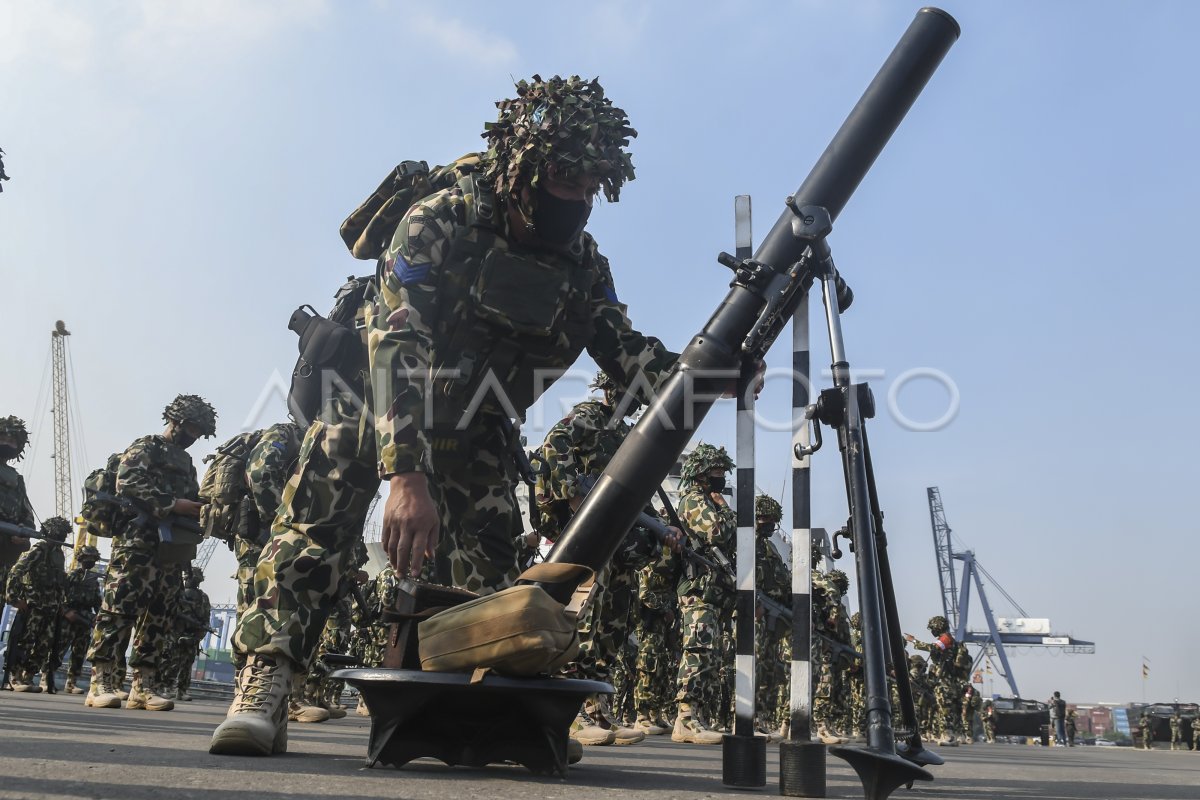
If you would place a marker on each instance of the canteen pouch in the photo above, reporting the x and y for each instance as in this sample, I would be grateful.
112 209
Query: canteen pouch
521 631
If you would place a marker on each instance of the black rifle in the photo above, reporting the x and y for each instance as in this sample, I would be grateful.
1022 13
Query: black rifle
12 529
524 469
12 655
168 528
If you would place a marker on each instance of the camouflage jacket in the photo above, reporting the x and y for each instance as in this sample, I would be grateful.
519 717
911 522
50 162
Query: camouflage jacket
38 576
657 581
709 527
82 591
434 284
153 473
14 508
581 444
379 597
942 651
195 611
771 575
268 467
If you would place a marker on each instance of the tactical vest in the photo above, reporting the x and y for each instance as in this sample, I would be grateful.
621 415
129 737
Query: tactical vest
12 496
527 315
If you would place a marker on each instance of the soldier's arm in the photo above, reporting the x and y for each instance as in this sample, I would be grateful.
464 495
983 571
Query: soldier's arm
400 334
138 479
560 454
25 517
621 350
20 577
268 467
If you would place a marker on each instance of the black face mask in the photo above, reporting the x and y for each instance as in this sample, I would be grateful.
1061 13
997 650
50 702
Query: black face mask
765 530
182 439
8 452
716 484
557 221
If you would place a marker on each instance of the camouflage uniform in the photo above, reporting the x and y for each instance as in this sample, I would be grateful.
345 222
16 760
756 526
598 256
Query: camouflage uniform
856 684
424 296
1146 725
703 595
774 580
38 579
1176 731
943 675
971 702
153 473
657 658
923 699
14 501
195 612
82 595
381 595
320 689
988 717
168 657
578 446
268 466
1196 733
831 663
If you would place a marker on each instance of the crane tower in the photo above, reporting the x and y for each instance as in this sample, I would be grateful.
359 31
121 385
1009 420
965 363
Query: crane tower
62 438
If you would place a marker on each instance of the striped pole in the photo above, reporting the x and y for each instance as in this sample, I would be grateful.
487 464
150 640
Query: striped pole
801 761
744 755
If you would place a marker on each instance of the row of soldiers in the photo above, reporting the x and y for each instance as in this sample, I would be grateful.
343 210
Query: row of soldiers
1175 723
56 609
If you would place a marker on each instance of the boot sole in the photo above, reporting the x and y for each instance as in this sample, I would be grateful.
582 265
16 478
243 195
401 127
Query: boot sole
91 702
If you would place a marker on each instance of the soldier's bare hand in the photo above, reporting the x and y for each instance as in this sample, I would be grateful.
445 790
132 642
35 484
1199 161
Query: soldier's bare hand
186 508
674 539
718 498
410 523
21 605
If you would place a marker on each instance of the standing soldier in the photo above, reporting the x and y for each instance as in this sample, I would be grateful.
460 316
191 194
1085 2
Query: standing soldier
712 527
1196 733
856 681
35 589
658 607
774 580
82 598
577 449
971 702
1146 725
14 502
943 651
491 288
1071 727
989 721
157 478
1176 730
195 613
922 695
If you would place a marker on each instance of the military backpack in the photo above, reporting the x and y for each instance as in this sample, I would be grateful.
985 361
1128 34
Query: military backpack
224 491
100 512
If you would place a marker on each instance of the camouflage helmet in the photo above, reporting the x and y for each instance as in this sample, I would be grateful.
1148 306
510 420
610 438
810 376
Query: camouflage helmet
916 660
767 506
196 573
14 428
195 409
565 122
938 625
604 382
87 553
839 581
56 529
704 458
856 620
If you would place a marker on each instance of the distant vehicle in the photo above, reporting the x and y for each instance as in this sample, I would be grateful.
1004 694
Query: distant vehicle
1019 717
1105 743
1160 714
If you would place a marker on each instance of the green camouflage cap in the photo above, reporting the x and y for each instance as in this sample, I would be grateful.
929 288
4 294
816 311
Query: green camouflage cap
14 428
565 122
88 553
192 408
767 506
916 661
56 529
839 581
604 382
197 574
704 458
938 625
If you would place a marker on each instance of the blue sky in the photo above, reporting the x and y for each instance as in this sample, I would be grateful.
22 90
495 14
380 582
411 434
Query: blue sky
179 171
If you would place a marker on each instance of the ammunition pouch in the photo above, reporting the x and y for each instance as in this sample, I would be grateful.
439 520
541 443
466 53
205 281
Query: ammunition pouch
520 631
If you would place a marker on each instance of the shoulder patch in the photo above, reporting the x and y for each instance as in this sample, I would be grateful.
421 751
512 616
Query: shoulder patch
408 274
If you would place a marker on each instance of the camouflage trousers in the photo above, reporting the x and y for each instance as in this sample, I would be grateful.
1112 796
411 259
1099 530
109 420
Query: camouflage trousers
36 640
700 662
73 638
856 705
319 688
168 659
827 691
605 628
769 672
989 729
656 669
247 554
722 700
948 716
322 513
184 662
135 595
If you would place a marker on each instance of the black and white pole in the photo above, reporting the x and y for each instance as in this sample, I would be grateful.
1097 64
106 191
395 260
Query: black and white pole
801 760
744 755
